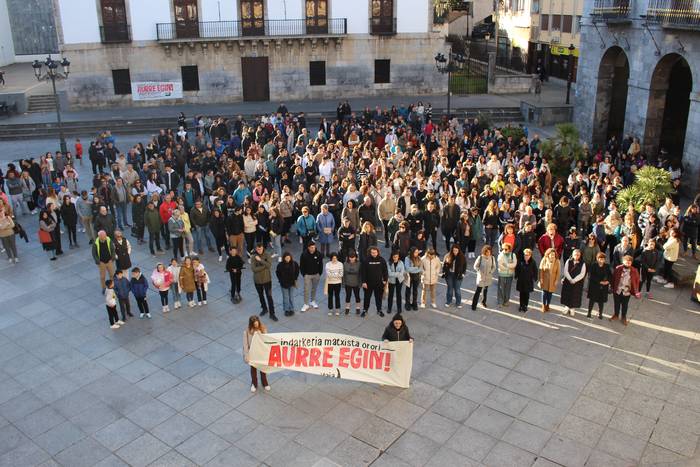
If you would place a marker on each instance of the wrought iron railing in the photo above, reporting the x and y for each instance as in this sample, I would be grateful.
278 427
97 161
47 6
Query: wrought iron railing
683 14
611 9
252 27
115 34
382 26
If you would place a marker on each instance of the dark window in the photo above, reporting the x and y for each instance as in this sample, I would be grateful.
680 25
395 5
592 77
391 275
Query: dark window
317 16
122 81
186 17
544 24
382 20
382 71
114 27
190 78
566 23
556 22
317 73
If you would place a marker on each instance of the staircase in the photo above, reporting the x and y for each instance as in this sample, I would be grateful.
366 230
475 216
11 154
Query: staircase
41 103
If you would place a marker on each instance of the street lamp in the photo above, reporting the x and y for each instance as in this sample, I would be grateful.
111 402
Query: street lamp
570 77
52 74
453 62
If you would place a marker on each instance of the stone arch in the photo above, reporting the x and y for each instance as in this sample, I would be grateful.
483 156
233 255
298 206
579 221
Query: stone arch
611 96
669 104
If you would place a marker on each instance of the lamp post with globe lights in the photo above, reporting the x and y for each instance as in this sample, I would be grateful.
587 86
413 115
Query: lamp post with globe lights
52 74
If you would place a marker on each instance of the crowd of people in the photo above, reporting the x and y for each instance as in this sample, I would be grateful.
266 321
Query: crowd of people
385 203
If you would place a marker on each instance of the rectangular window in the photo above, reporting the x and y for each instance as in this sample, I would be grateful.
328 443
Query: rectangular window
317 73
122 81
566 23
544 26
190 78
556 22
382 71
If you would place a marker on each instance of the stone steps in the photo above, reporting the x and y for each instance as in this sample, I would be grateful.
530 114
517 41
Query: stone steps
41 103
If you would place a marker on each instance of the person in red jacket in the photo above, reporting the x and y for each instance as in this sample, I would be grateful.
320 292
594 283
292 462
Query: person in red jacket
165 210
551 239
625 284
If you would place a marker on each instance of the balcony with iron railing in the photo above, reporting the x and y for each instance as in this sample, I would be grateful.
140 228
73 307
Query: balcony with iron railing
382 26
115 34
612 10
222 30
676 14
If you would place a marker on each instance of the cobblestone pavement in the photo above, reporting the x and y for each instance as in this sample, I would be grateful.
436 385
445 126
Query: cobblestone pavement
491 387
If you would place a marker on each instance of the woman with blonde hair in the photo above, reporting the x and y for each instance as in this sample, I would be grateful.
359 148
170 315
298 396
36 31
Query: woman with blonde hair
254 326
549 277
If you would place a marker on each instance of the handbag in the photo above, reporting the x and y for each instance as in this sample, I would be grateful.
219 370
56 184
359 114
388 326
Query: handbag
44 236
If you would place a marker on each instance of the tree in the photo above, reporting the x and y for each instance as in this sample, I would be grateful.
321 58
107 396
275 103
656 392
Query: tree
563 149
651 185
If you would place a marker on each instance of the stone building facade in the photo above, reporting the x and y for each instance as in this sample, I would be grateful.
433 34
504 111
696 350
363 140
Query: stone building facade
235 50
640 76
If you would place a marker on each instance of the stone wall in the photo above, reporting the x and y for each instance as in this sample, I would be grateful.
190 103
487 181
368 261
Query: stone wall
511 84
349 68
643 57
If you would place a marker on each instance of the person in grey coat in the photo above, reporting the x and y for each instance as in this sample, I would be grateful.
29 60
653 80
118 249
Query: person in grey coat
352 281
485 266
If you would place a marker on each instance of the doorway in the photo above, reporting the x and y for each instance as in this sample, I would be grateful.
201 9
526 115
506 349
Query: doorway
669 104
256 81
611 97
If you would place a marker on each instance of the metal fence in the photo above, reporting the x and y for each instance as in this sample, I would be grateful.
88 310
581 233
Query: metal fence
382 26
115 33
611 9
252 27
675 13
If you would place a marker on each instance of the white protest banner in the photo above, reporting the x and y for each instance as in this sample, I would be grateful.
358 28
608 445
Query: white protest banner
334 355
154 90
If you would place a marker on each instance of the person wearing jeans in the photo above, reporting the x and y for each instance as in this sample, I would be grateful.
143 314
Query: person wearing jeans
254 326
311 267
625 284
396 278
412 265
261 265
507 262
287 275
199 219
549 277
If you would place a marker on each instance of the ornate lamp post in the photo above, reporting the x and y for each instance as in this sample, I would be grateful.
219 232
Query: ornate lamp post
52 74
454 62
570 76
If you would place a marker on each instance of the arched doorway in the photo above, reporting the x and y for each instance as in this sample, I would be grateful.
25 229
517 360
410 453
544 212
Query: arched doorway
611 96
667 112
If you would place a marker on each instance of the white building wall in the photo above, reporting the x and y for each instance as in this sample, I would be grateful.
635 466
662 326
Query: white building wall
412 16
145 15
79 21
7 48
284 9
218 10
357 14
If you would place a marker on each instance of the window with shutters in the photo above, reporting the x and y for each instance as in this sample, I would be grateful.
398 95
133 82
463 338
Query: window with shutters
566 23
317 73
190 78
122 81
544 22
382 71
556 22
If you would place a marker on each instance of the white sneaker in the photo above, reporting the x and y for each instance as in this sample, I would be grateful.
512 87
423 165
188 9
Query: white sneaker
330 313
10 260
422 305
221 258
279 260
142 315
669 285
120 322
304 308
337 312
114 326
314 304
199 303
191 304
434 305
253 388
267 388
148 315
205 302
177 305
16 260
167 308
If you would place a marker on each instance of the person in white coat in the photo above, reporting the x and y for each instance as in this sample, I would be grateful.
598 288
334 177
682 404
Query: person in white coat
430 271
507 262
485 266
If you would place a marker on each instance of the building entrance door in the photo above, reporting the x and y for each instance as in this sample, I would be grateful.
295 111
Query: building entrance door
256 83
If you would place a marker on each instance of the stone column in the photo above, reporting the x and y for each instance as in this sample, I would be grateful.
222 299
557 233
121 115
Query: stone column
492 67
636 110
691 149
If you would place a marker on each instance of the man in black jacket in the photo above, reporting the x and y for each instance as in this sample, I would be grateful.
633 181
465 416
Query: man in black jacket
375 274
199 218
311 267
449 221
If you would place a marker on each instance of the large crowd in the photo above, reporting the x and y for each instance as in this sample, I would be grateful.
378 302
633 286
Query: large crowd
386 204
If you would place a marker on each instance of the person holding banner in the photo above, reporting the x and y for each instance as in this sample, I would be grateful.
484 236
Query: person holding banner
375 274
397 330
254 326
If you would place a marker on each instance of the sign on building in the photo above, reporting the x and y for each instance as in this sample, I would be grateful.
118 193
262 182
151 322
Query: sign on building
154 90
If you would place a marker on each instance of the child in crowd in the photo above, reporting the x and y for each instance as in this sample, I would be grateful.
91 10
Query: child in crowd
122 287
234 267
111 305
139 287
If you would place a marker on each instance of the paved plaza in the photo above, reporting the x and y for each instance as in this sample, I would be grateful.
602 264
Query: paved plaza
492 387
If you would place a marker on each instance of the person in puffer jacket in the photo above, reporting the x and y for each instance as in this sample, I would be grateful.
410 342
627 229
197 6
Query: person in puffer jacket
397 330
139 287
352 281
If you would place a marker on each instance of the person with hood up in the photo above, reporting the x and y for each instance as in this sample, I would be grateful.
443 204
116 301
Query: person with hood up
397 330
139 287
